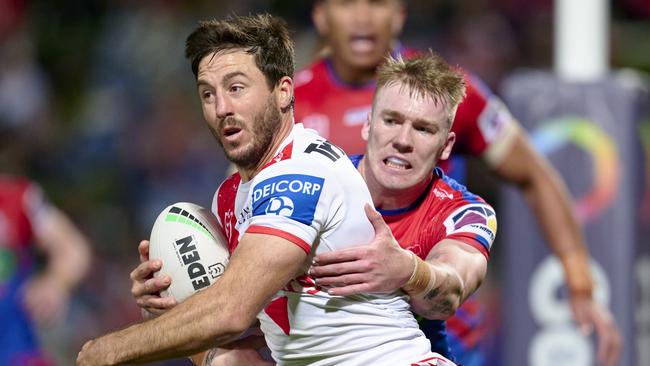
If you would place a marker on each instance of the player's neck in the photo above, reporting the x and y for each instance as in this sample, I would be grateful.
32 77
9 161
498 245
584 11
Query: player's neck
391 199
284 131
352 75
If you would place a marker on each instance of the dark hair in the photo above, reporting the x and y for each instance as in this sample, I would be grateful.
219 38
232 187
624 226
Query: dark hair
264 36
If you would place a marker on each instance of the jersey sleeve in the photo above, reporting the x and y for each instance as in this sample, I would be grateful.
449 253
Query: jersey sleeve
293 200
223 203
484 126
473 223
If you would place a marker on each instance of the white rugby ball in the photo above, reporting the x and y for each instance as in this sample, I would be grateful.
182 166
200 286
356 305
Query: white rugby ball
193 250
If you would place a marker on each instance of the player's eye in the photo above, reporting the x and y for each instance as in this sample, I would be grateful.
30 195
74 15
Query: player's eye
207 96
236 88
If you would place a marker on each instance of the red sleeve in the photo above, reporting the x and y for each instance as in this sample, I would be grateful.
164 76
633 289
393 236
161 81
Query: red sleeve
470 140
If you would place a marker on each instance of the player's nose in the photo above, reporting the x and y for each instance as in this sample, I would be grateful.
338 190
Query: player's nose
403 139
224 106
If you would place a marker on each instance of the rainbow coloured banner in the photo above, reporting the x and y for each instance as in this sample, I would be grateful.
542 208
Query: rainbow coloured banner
556 133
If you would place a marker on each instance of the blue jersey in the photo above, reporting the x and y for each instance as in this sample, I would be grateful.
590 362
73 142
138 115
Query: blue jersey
21 202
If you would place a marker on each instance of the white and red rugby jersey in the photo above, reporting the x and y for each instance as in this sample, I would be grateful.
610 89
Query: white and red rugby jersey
312 195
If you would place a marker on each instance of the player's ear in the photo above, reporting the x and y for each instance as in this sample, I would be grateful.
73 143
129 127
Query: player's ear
284 95
449 144
319 18
365 130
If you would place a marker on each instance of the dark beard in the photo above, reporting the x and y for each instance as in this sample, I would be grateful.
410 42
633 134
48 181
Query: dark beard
265 126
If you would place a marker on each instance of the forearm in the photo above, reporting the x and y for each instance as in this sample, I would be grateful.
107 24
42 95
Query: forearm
212 317
454 274
442 298
190 327
550 202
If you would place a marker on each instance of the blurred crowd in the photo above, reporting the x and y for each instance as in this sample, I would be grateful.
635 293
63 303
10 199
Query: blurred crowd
102 109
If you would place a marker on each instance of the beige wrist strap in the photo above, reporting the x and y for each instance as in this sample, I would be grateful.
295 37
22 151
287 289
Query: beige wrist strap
422 280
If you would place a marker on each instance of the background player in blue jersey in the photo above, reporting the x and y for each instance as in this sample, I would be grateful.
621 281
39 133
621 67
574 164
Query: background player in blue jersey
31 296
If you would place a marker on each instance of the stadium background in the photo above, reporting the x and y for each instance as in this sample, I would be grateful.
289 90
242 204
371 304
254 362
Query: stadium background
107 118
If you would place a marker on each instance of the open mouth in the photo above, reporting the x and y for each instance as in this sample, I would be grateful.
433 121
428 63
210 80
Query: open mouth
397 163
230 131
362 43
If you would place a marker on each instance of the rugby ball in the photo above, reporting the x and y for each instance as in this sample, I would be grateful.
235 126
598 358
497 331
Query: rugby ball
193 250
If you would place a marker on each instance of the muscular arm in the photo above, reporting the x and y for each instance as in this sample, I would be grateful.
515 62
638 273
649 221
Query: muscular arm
383 266
458 270
259 267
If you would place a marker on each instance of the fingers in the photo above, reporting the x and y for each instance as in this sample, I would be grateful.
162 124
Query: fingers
590 315
344 280
339 256
338 267
152 286
145 270
156 304
144 284
143 249
609 344
614 351
609 339
603 348
376 220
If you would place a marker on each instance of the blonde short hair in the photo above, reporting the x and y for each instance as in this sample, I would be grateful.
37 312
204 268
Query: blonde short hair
426 75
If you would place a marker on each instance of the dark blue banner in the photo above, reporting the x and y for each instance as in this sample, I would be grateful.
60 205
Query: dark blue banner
590 133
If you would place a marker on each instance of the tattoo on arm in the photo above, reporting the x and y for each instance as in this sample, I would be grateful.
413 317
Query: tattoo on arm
440 303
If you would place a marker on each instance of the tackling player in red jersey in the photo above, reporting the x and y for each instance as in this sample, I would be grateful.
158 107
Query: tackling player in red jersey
334 94
450 229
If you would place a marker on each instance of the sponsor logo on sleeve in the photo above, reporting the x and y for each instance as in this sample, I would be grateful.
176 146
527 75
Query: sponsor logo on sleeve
442 194
476 219
291 195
